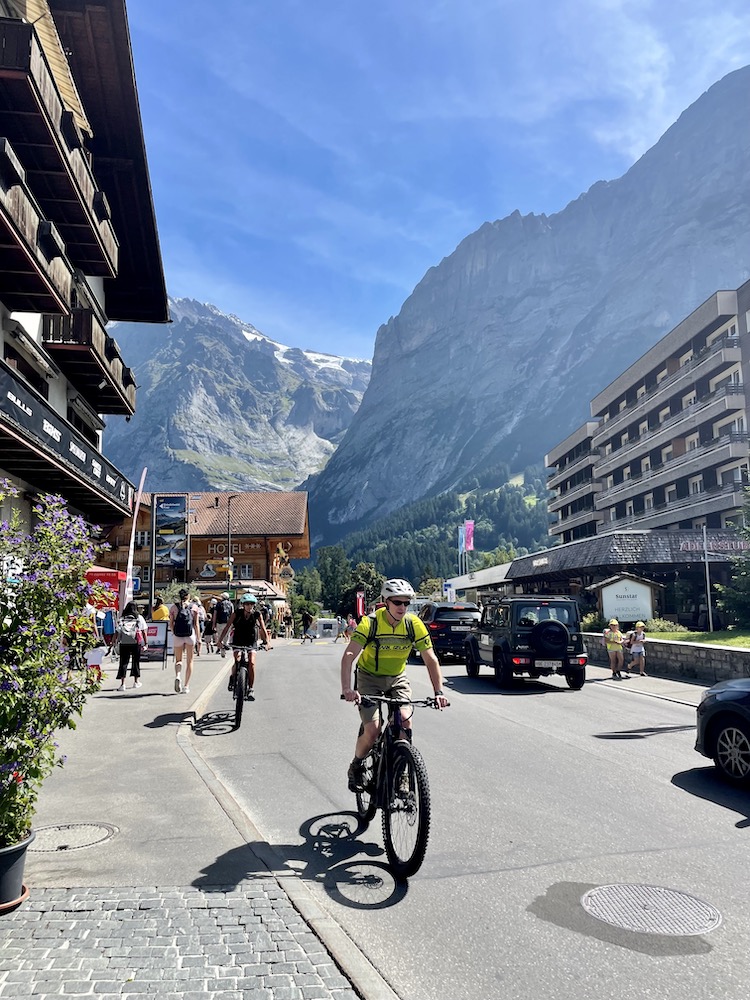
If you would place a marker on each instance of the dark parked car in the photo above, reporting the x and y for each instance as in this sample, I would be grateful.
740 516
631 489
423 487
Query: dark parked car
723 720
449 622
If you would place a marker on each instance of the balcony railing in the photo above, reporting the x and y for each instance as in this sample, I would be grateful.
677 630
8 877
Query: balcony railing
35 273
695 502
91 360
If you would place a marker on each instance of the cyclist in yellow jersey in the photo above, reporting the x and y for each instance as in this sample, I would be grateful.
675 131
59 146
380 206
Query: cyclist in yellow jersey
381 668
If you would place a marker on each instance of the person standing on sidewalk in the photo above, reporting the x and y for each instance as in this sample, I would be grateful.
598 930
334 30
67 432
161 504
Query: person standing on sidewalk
222 613
131 638
183 622
637 639
613 640
307 629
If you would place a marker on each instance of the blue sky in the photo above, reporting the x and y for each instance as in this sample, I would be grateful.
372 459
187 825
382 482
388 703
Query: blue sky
311 160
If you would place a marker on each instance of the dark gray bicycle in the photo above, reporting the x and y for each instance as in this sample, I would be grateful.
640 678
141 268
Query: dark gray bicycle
241 685
394 779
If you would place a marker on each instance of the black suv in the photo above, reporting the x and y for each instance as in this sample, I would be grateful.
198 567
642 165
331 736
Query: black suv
449 623
530 635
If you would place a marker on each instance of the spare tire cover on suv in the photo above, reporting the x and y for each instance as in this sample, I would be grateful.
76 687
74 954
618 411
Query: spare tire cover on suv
550 638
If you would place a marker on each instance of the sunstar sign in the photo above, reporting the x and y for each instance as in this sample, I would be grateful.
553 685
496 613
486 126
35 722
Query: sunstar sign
627 601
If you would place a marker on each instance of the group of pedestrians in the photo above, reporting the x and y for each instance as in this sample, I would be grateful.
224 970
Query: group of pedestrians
616 642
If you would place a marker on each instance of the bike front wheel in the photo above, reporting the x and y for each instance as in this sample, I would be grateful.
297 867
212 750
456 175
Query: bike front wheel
240 688
406 815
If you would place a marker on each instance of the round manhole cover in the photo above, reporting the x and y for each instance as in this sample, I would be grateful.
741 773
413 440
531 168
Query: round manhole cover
651 909
71 836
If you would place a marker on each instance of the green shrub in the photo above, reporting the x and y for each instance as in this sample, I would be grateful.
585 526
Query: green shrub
593 622
662 625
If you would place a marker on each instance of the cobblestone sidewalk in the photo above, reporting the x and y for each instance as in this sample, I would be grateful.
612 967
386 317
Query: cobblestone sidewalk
178 944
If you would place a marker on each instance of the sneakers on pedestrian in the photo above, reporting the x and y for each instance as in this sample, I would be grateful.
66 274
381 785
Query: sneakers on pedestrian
230 685
120 688
177 684
355 774
138 684
250 695
186 689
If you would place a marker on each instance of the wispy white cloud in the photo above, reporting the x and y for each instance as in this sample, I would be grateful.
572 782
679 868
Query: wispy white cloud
335 149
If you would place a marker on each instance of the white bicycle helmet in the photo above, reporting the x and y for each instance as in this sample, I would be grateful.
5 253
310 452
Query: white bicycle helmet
396 588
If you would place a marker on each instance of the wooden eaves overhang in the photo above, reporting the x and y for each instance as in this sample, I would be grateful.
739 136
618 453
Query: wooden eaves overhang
96 39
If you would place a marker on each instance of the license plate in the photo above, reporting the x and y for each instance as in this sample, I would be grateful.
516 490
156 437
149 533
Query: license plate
548 664
461 628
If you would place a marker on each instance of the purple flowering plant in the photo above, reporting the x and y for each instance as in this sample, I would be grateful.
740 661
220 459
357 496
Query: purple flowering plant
44 635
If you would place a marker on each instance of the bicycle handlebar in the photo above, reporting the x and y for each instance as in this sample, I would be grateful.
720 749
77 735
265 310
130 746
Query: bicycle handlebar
369 700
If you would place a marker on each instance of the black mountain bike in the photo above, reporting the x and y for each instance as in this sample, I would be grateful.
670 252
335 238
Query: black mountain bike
241 686
394 779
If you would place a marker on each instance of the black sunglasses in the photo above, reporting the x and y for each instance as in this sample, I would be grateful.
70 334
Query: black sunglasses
401 604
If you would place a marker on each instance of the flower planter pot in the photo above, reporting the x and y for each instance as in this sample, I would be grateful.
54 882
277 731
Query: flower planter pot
12 861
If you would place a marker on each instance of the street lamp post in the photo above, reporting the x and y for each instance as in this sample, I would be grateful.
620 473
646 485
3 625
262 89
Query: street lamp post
230 560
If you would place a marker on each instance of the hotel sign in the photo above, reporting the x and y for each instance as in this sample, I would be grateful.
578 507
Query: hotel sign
627 601
21 408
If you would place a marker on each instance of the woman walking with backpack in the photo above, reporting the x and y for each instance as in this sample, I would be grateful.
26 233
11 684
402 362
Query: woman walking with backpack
183 621
131 638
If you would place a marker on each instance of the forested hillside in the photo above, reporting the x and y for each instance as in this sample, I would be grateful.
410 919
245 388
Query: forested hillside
420 540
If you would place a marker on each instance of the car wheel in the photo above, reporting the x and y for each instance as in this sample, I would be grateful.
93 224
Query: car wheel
503 673
732 751
576 678
472 664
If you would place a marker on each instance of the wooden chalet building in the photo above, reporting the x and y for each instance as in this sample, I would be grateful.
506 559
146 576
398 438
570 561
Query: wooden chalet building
78 247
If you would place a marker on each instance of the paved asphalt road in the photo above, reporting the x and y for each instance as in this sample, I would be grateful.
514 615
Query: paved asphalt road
538 796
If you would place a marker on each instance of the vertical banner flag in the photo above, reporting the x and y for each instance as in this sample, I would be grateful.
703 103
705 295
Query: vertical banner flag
461 539
128 596
469 535
360 604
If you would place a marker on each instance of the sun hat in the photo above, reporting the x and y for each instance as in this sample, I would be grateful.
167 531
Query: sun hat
640 624
613 621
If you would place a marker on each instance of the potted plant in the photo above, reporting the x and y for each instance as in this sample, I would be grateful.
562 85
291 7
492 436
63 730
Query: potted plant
45 631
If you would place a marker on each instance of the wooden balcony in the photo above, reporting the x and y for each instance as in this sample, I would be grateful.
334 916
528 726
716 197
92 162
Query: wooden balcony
91 359
51 148
35 273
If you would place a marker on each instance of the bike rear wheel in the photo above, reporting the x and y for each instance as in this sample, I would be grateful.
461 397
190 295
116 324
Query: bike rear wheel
240 688
406 815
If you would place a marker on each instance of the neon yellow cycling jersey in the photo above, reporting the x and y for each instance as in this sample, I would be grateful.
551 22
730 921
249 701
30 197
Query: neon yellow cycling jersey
388 649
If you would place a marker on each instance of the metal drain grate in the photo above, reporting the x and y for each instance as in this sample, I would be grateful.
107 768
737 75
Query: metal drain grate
71 836
651 909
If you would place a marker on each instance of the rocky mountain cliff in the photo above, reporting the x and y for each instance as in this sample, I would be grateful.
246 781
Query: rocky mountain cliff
496 354
221 406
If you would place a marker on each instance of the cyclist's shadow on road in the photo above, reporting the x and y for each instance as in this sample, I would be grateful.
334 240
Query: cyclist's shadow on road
332 854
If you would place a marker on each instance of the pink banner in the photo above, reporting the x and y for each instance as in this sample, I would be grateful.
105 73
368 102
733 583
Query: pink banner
360 603
469 535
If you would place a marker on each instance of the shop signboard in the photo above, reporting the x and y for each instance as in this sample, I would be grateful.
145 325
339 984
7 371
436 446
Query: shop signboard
156 633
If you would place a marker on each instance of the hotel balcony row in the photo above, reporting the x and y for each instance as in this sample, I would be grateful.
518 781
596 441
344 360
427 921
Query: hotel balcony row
38 276
713 406
727 499
50 145
719 355
711 455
